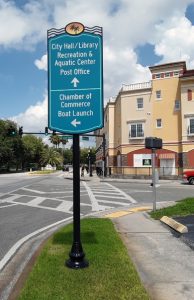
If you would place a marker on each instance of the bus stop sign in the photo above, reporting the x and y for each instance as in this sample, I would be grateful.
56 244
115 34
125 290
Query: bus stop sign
75 79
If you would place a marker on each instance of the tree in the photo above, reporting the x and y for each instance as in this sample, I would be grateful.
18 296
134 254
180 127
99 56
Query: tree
67 156
33 148
55 140
52 157
11 147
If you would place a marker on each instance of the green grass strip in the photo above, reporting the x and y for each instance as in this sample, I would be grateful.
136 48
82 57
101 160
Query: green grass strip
110 275
182 208
44 172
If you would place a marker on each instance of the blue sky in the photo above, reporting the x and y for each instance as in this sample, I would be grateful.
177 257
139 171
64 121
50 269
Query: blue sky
137 34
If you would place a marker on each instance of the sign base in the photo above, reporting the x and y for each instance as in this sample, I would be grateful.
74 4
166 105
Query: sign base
77 260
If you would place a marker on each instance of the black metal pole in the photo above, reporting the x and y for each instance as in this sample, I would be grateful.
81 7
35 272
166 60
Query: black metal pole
76 256
104 155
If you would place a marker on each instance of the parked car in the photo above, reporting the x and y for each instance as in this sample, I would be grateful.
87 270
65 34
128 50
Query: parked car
188 176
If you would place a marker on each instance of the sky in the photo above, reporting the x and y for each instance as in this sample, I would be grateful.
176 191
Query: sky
136 34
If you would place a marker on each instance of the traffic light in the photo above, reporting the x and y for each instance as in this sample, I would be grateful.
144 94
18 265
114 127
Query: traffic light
11 131
21 131
46 130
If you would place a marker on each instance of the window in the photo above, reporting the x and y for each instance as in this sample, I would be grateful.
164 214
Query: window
139 103
158 76
176 73
158 123
167 74
136 131
177 105
158 95
189 95
191 127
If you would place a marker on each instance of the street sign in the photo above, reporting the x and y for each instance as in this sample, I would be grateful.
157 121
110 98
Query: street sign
75 79
66 137
85 138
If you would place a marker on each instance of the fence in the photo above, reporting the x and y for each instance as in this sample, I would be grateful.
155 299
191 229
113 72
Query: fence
145 172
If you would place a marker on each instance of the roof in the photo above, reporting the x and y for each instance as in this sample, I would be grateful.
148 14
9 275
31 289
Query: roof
168 65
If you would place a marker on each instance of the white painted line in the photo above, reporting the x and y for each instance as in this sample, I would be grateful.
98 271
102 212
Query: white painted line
40 206
95 205
105 192
128 197
17 245
65 206
11 198
36 201
30 190
116 196
13 204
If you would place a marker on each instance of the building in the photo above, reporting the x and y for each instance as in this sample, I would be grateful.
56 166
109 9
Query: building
163 108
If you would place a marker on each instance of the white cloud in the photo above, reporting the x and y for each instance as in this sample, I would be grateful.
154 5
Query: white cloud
35 118
177 41
126 24
22 28
41 63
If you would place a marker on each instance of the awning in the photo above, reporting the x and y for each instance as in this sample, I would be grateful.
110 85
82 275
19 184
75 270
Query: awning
167 156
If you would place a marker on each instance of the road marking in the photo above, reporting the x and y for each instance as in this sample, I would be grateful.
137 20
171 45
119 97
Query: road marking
11 198
123 193
30 190
65 206
19 243
10 205
95 205
36 201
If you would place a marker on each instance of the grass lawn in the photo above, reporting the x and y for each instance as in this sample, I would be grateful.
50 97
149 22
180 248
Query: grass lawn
182 208
110 275
42 172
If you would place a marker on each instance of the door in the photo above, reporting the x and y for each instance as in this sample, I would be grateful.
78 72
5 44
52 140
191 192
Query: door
167 166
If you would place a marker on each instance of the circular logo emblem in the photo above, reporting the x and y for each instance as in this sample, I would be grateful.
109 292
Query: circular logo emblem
74 28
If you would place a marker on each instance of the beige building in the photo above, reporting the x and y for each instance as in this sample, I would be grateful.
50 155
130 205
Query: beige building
163 108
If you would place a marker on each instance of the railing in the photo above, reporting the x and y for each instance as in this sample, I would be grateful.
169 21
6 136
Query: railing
136 86
144 172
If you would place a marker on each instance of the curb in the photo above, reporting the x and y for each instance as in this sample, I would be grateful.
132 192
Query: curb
174 224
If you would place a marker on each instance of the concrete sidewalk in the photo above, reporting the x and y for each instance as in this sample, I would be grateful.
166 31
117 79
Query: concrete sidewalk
165 264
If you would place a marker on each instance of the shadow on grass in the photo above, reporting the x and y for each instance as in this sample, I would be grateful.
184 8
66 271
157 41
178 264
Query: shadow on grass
66 238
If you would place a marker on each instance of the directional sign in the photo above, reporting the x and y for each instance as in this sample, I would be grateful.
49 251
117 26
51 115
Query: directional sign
66 137
75 80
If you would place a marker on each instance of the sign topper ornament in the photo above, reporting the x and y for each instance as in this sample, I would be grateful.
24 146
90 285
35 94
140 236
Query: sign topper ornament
75 78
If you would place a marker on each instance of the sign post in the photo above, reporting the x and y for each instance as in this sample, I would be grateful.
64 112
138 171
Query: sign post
75 101
153 143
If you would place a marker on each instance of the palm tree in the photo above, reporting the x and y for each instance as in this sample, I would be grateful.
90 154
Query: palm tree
55 140
74 28
52 157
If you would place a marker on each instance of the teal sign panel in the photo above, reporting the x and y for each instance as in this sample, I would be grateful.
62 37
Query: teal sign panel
75 79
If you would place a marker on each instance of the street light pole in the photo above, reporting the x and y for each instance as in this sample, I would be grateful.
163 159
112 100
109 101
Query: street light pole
89 163
76 256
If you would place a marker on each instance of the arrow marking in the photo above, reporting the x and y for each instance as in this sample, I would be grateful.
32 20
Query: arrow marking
75 122
75 81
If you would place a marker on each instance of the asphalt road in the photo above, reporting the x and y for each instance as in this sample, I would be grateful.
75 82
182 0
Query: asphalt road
29 204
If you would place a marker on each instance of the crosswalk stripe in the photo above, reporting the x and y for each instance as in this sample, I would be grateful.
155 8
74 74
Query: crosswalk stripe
65 206
36 201
123 193
95 205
